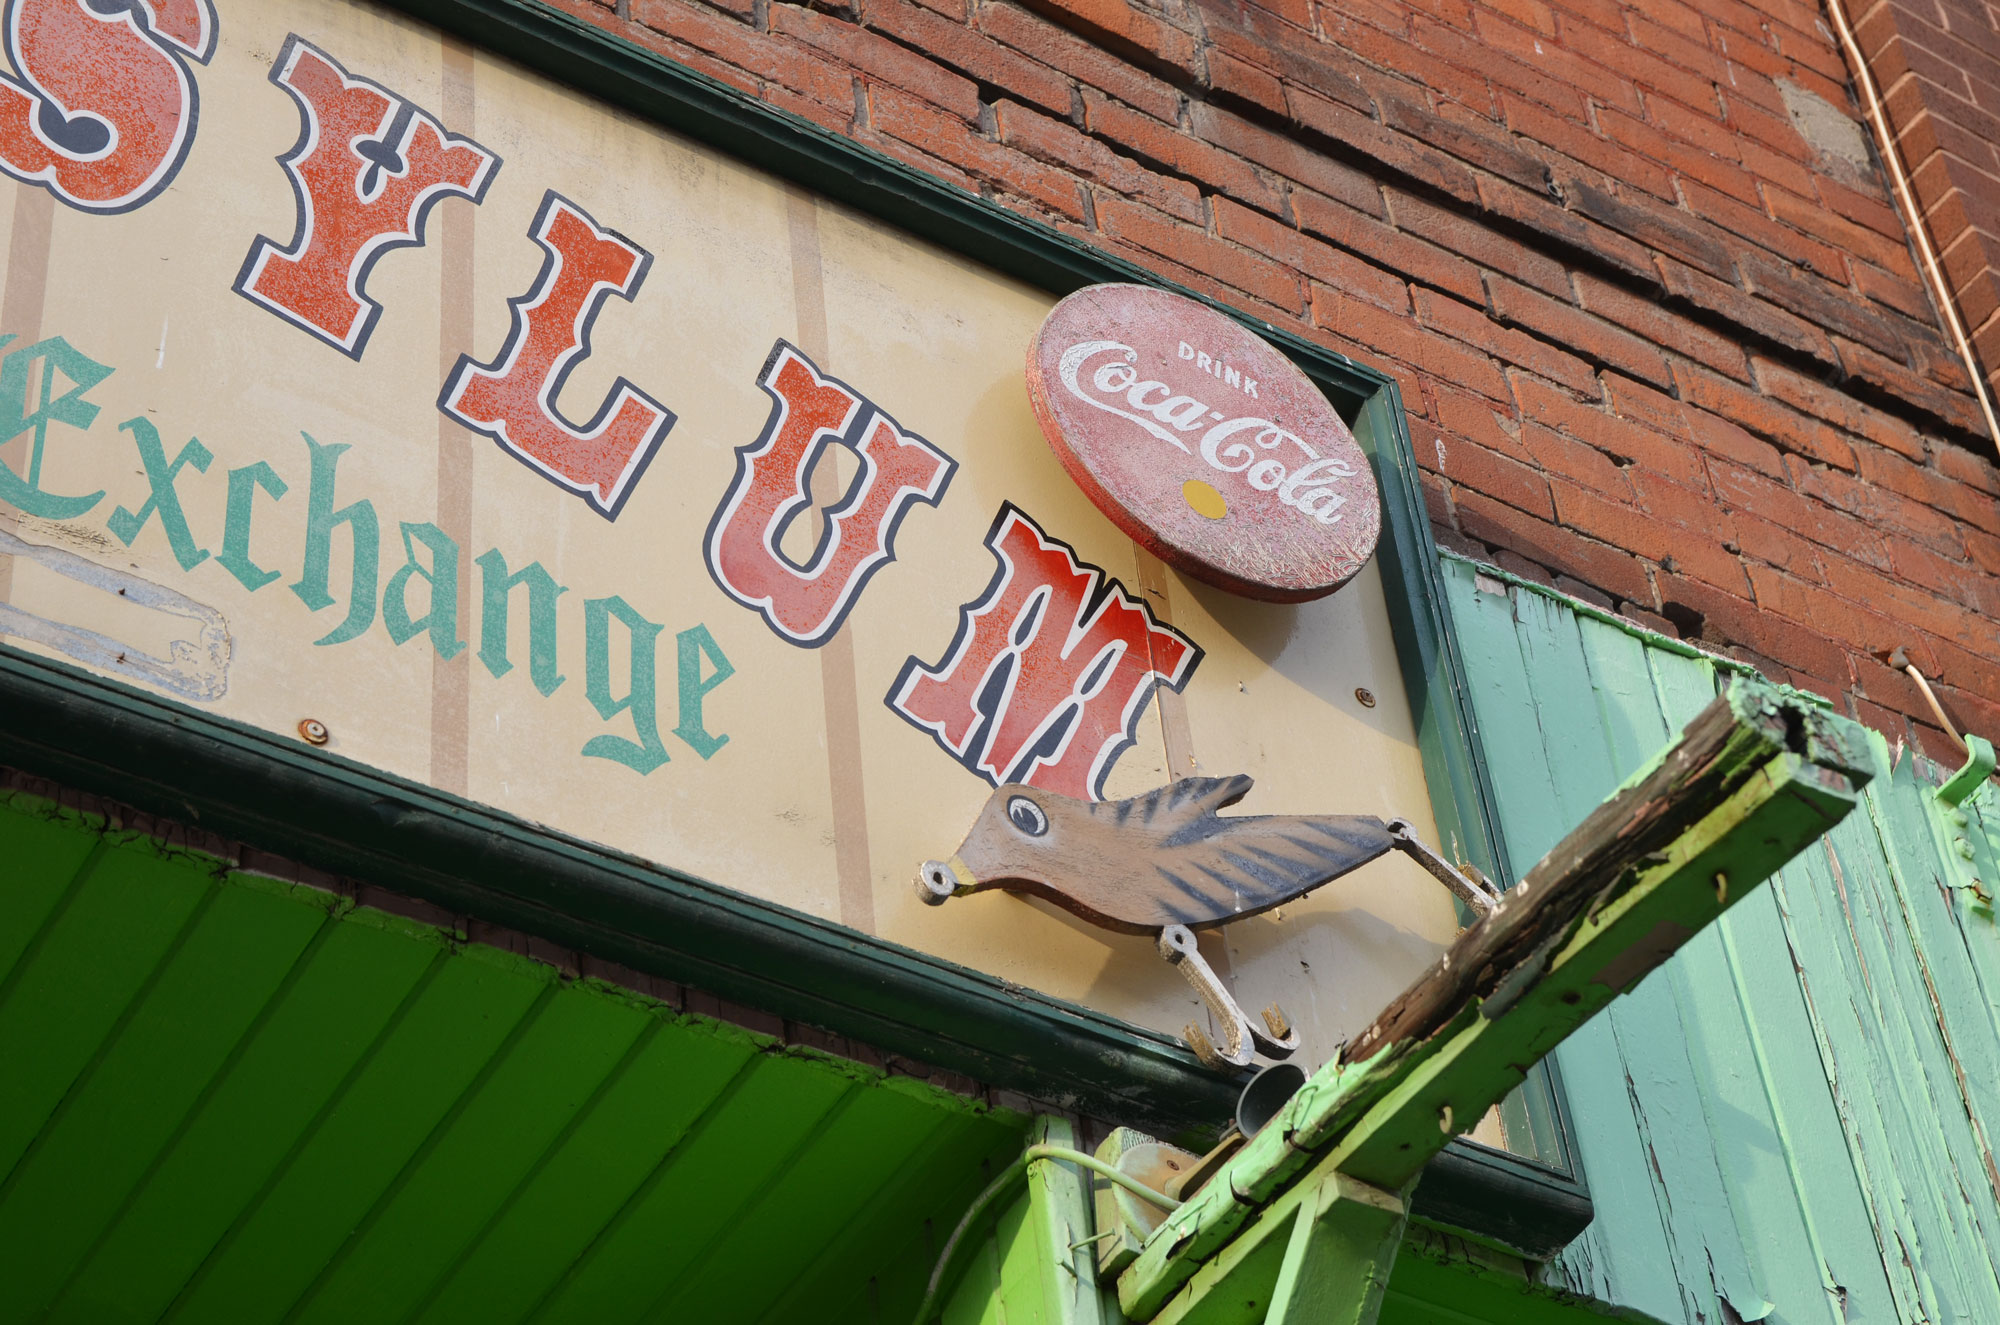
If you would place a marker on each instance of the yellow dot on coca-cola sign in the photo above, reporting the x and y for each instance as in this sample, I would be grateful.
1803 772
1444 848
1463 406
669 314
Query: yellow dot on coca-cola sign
1204 443
1204 500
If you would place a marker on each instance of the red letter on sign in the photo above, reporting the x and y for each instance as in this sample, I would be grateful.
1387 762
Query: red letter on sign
101 107
366 169
513 399
1050 669
811 414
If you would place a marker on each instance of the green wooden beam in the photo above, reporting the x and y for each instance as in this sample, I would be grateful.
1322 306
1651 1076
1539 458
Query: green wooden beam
1319 1255
1754 779
1059 1220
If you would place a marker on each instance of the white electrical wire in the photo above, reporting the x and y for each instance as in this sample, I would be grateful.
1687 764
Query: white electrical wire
1906 202
1007 1177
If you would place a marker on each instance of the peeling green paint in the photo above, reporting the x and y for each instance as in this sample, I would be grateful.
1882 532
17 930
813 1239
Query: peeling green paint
1793 1116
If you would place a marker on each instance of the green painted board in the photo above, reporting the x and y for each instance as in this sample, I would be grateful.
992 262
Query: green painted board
80 977
324 1024
1816 1242
45 856
246 1101
1647 1024
1502 694
1945 960
355 1150
1903 987
979 1299
1792 1119
873 1136
1531 746
504 1127
186 1027
1440 1285
1020 1267
706 1181
547 1223
974 1151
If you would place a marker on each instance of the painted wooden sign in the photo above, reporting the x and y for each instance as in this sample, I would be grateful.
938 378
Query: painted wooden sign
1203 443
511 444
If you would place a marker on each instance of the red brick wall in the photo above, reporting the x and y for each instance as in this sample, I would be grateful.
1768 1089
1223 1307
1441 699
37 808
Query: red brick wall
1655 345
1937 63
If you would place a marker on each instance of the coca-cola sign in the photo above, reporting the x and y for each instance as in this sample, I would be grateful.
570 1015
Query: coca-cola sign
1204 443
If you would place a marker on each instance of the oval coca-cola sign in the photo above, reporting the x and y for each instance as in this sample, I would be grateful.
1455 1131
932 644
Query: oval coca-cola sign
1204 443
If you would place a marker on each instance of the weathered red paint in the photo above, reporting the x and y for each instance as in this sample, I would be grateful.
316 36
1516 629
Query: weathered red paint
1203 443
101 106
366 170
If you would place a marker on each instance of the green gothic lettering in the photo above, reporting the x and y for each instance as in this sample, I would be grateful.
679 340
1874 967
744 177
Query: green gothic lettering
495 586
321 521
441 610
163 501
17 386
695 643
648 752
235 554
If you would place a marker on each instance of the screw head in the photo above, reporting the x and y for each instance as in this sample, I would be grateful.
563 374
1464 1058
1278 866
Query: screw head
314 731
1366 696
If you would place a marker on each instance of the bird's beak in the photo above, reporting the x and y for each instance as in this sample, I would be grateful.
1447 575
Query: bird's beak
942 879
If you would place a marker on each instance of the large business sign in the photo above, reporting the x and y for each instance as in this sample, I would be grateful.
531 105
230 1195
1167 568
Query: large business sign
360 386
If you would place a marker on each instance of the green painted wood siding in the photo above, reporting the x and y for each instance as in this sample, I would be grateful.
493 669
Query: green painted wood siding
226 1098
1792 1120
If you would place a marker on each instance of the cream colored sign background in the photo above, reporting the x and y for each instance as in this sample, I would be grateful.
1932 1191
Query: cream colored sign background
823 799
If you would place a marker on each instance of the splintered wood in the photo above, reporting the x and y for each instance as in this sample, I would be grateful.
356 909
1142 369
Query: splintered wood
1756 777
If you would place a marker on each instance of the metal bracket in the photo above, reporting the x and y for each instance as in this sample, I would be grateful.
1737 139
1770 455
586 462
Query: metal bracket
1979 764
1241 1041
1481 899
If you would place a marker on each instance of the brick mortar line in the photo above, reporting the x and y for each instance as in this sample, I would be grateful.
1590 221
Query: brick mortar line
1574 257
1577 259
1332 149
1945 292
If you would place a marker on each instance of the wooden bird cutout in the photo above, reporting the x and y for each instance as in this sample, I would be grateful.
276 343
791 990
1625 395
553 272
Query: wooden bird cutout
1165 863
1164 858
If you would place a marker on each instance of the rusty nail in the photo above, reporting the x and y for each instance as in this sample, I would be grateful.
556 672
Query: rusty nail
314 731
1366 696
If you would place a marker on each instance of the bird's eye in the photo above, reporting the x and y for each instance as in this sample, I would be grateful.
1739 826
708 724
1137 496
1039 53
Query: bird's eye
1027 816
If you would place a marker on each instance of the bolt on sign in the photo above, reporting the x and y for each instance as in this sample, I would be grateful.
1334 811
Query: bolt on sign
408 399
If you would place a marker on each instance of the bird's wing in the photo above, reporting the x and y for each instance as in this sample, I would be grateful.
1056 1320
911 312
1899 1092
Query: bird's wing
1242 866
1180 807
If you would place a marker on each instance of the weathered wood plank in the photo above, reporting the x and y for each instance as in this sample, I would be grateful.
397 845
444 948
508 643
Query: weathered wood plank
1727 745
1754 778
1654 1027
1767 1107
1501 696
1059 1220
1814 1220
1610 947
1931 1096
1860 1070
1595 746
